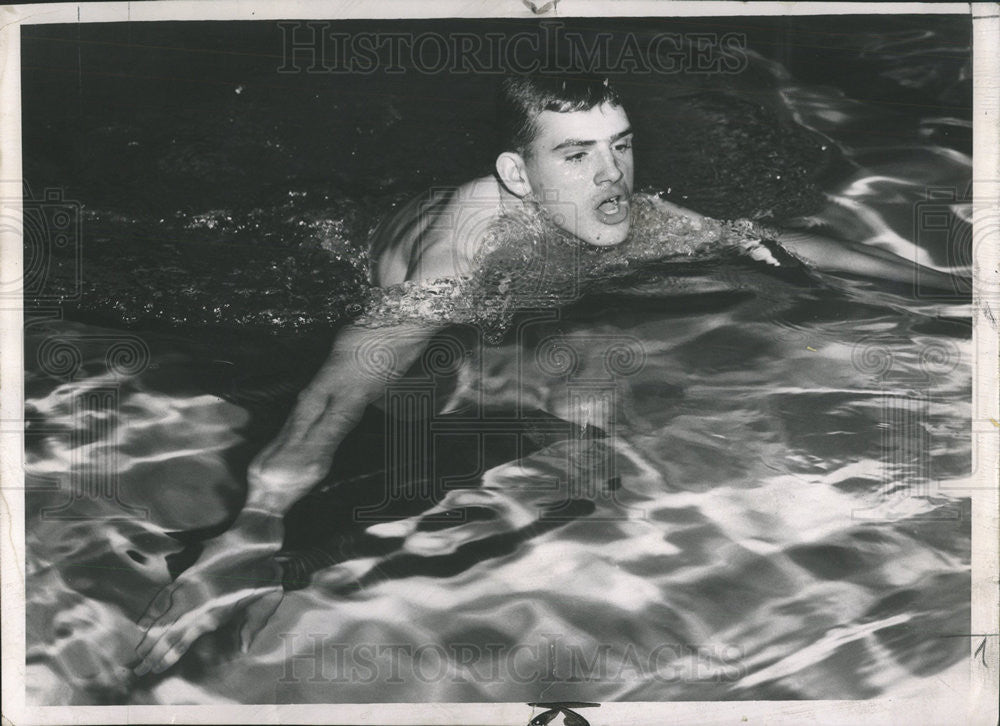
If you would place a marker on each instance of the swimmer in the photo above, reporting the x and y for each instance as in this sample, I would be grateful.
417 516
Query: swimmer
567 150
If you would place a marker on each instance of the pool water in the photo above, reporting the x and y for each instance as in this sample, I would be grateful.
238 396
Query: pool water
760 499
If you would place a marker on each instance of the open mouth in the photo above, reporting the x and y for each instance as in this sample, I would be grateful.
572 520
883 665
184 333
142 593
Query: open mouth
613 209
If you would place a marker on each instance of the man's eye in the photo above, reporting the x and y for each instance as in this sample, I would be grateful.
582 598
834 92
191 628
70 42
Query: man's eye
624 146
576 157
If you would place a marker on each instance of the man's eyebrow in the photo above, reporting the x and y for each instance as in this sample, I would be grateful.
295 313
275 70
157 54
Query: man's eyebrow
590 142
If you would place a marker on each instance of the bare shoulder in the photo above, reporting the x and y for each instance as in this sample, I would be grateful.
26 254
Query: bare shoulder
437 234
459 231
474 203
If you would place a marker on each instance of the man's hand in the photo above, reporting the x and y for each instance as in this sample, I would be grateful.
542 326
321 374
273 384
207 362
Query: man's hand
759 252
841 256
236 572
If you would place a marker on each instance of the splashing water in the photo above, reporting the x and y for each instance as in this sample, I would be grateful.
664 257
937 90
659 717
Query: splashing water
527 262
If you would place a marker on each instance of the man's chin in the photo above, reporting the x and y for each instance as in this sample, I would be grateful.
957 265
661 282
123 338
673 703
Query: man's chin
606 235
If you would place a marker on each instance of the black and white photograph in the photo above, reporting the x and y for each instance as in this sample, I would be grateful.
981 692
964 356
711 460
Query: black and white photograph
505 363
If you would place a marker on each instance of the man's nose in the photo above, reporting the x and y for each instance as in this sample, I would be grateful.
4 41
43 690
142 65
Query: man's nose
609 171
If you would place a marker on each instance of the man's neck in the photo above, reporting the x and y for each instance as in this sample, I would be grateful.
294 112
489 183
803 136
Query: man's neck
508 200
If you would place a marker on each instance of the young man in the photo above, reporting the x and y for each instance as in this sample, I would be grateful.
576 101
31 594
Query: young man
568 151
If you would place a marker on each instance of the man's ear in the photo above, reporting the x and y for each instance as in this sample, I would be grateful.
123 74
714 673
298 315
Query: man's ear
513 173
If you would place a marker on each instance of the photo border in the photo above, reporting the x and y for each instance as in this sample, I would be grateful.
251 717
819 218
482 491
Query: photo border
930 700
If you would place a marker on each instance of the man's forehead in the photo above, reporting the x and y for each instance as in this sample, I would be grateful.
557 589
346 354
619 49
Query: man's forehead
594 124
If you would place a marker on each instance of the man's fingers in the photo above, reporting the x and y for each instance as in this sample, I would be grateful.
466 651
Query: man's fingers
257 616
167 648
167 640
153 635
760 253
186 631
164 611
152 648
157 607
176 649
155 656
165 632
191 606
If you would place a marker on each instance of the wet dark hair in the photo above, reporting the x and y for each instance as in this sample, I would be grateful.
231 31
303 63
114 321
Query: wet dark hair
522 98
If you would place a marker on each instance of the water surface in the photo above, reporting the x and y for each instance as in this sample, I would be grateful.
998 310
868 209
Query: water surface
767 516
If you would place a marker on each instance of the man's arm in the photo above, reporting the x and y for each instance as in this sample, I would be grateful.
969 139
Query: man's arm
427 240
237 570
834 255
328 409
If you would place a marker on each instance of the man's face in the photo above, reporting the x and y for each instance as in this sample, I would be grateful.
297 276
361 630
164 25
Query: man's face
580 168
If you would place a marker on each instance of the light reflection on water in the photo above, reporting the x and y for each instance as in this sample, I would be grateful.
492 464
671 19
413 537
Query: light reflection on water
748 456
767 537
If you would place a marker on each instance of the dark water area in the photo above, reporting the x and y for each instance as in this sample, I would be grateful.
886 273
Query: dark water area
184 146
770 513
